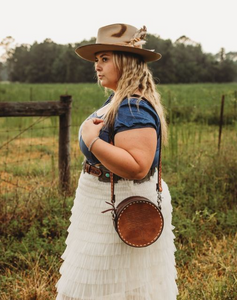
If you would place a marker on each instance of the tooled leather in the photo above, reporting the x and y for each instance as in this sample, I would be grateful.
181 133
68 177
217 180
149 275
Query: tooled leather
138 225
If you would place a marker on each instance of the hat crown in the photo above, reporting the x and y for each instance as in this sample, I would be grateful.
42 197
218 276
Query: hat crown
115 34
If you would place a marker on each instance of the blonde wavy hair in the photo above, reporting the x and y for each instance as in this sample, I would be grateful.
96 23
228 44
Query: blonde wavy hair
134 76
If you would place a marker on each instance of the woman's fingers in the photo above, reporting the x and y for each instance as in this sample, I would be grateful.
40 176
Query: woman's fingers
97 121
91 129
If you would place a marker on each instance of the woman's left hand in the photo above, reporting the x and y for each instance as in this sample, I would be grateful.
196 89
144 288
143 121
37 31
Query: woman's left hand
91 129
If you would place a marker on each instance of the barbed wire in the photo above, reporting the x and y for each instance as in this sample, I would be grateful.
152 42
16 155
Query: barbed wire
14 184
40 119
38 128
24 160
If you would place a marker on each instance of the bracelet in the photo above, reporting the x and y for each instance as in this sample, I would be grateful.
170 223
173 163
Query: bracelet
92 143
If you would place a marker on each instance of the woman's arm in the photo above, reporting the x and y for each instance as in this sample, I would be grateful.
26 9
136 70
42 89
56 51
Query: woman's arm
132 154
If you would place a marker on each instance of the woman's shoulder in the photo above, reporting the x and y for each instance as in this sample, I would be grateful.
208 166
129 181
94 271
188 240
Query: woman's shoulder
135 103
136 113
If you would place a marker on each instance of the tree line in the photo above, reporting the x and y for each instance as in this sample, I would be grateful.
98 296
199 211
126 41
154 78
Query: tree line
182 62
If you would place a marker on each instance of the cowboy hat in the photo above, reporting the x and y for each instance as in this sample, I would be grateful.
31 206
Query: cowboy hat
118 37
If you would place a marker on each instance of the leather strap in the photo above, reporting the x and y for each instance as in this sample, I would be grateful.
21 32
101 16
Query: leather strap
159 185
92 170
103 174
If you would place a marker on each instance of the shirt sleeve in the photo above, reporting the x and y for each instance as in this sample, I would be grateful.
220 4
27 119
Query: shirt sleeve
132 116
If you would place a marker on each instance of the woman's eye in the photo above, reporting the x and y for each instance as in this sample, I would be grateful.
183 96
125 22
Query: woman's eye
103 59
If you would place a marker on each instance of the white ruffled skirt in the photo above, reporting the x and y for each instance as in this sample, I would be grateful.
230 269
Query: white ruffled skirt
98 265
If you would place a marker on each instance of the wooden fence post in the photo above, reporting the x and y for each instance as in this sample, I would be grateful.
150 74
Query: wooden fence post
60 108
64 144
221 121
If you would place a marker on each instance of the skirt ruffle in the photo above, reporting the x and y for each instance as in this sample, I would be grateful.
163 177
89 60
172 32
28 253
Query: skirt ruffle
98 265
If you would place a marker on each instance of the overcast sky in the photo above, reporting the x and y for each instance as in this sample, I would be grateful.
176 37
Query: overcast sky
212 23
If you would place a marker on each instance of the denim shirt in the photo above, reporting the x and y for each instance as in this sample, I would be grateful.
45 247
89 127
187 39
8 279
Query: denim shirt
128 117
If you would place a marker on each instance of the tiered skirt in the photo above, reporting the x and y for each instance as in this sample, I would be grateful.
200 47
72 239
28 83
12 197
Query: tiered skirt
98 265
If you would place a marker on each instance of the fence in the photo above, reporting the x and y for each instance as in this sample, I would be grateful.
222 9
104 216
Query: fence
60 108
183 137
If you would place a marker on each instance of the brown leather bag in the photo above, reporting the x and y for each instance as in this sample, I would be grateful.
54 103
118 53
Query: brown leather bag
137 220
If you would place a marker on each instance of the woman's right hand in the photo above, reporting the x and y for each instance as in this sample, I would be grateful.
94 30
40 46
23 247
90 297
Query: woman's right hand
91 129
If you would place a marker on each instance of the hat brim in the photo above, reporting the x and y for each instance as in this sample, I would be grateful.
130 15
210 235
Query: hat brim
88 52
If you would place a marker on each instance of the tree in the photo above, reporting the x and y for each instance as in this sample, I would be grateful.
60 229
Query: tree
42 57
18 63
164 69
7 45
226 71
181 62
3 72
222 54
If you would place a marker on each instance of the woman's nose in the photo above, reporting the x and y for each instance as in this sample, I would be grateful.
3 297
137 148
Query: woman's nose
98 66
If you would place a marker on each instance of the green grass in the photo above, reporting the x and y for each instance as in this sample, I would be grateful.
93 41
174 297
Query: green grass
34 216
186 102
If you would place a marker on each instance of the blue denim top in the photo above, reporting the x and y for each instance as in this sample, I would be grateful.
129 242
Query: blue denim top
129 116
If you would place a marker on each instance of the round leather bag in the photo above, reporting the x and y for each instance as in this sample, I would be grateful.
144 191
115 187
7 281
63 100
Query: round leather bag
139 222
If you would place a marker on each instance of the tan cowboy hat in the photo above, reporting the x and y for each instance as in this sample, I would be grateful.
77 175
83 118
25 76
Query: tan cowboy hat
118 37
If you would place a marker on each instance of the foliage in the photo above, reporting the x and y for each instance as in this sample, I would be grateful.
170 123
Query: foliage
202 182
48 62
180 63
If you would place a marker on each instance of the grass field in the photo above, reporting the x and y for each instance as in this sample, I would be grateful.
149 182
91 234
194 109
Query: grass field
34 216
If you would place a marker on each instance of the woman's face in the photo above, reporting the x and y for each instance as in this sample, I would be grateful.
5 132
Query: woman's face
106 71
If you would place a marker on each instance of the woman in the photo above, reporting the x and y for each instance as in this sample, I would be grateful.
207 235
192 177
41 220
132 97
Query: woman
97 264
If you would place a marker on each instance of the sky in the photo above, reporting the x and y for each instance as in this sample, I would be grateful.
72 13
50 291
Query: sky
212 23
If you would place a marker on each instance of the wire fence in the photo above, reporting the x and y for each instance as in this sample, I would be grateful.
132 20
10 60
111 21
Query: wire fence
25 155
29 150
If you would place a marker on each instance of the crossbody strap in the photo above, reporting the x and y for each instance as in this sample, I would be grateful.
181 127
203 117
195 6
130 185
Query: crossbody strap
158 184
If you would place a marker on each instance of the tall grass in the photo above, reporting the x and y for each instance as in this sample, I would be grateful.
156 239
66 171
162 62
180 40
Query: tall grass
187 102
34 216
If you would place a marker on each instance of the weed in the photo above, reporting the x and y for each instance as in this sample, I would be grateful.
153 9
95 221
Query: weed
34 216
